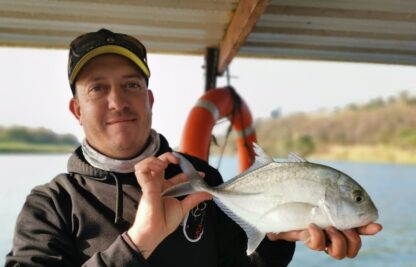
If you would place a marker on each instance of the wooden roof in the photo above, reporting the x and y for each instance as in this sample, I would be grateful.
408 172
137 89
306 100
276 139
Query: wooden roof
382 31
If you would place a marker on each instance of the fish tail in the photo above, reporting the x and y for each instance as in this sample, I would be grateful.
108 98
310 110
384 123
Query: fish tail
196 182
195 179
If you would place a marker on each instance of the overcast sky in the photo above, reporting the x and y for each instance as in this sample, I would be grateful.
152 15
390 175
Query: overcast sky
35 90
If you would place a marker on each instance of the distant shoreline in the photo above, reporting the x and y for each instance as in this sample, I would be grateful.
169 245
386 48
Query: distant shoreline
30 148
26 140
357 153
368 153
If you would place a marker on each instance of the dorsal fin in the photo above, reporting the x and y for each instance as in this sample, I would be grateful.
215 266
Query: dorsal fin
260 160
261 157
293 157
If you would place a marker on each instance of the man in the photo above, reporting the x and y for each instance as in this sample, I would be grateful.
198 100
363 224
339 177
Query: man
108 210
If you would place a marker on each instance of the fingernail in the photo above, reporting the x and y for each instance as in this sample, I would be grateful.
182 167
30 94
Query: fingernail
305 236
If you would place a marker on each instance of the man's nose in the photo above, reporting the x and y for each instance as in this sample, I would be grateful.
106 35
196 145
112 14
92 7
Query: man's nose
117 99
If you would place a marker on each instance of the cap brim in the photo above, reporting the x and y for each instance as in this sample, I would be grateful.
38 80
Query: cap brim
108 49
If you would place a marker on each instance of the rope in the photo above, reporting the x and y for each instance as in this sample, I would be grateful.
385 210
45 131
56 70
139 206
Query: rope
224 145
237 107
240 110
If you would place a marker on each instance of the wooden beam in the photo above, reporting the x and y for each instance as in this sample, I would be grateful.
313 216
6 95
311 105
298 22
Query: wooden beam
242 22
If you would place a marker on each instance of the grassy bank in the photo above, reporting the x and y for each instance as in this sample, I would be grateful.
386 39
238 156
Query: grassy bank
367 153
360 153
22 147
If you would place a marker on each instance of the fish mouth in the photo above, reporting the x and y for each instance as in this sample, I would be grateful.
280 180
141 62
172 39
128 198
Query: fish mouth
368 217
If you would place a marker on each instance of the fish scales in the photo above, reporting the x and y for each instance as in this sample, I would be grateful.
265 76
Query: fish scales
279 178
271 192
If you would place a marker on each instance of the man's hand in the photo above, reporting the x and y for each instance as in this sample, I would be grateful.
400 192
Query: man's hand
158 217
337 244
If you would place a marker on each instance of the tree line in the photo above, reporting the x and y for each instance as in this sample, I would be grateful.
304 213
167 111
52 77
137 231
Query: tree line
35 136
389 122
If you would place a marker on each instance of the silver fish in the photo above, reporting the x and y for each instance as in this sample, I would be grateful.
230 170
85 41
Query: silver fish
283 196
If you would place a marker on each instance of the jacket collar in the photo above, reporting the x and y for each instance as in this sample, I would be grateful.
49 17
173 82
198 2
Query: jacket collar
79 165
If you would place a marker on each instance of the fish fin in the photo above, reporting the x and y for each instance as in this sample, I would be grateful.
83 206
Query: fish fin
195 180
261 157
254 236
184 163
293 157
326 210
179 190
289 208
254 240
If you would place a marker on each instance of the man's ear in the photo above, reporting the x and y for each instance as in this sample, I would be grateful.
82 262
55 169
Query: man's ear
151 97
75 109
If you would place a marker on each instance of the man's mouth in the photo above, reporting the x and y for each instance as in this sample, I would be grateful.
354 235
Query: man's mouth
120 120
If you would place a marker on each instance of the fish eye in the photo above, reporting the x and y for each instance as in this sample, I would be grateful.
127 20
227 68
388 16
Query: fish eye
358 197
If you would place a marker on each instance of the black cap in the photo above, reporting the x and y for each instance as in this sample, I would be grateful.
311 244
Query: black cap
92 44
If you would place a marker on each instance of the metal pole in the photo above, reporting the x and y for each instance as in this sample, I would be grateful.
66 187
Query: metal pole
211 65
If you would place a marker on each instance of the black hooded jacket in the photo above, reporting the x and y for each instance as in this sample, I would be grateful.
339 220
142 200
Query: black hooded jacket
78 219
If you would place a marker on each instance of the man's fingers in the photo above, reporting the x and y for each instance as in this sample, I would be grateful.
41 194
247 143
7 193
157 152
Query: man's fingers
295 235
194 199
149 165
338 244
316 240
370 229
169 158
312 237
177 179
353 242
150 174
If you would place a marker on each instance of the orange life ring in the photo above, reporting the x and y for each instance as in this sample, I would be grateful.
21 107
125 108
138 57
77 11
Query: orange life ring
212 106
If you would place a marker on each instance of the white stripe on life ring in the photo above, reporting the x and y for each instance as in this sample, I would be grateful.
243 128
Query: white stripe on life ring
208 105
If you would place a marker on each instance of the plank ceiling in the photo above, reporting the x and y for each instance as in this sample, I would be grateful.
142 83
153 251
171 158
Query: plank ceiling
382 31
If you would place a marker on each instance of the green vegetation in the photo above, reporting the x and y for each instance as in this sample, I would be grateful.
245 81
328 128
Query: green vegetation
19 139
380 130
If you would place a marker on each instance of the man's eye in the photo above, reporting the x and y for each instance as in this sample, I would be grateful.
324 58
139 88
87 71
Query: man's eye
96 88
133 85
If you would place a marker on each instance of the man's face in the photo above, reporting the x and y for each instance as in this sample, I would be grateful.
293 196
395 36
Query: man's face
113 105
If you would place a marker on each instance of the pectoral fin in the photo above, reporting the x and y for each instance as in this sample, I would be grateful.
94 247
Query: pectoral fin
326 210
289 216
300 208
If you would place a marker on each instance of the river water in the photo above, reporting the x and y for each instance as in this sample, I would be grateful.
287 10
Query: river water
391 186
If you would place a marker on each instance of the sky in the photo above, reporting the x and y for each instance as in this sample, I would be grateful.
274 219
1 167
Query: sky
35 91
